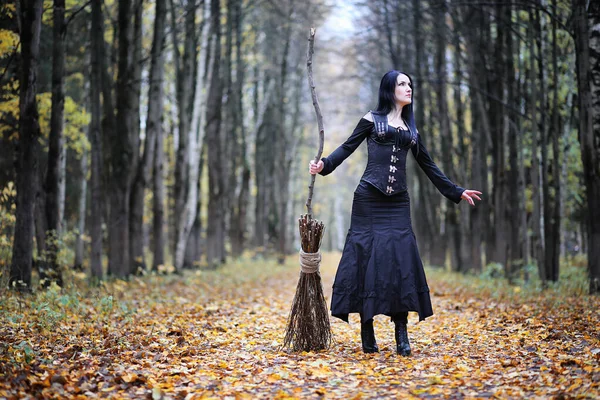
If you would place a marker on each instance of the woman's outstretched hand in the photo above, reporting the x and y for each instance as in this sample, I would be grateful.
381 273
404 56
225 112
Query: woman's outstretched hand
469 195
315 168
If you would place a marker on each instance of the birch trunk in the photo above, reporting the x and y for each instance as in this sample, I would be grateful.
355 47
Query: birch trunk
153 130
195 139
183 166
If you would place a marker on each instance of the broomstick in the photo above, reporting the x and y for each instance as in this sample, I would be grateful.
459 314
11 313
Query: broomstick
308 326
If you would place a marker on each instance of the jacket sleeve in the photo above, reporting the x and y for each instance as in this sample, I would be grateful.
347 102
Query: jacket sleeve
437 177
331 162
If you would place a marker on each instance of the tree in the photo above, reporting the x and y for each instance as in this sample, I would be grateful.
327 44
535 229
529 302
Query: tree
239 207
587 45
30 20
95 134
136 199
184 66
215 231
121 150
153 130
55 174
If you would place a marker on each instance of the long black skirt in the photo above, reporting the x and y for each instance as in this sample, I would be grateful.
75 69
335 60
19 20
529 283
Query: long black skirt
381 271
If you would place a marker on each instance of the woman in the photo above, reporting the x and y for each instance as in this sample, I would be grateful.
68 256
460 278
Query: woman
381 271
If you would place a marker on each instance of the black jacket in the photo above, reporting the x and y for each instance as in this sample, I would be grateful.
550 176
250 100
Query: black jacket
386 165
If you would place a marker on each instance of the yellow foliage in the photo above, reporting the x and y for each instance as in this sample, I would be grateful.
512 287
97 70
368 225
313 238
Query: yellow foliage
76 119
9 10
220 332
44 104
9 41
7 216
9 106
47 15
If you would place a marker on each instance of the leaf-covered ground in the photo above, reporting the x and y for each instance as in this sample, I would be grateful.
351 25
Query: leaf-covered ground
216 334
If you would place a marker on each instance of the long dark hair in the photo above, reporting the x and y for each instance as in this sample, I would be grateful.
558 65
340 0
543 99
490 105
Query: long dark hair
387 102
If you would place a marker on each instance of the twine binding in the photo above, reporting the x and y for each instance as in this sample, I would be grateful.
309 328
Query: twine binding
309 262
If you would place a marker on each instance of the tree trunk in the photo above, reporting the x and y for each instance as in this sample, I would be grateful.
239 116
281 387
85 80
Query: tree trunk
158 203
106 57
54 175
284 143
537 232
514 255
40 223
136 200
463 248
215 232
451 226
261 145
81 212
392 49
83 185
553 218
525 245
230 119
481 129
544 142
195 140
587 44
122 151
240 208
424 219
153 129
62 189
30 17
193 248
97 161
498 126
185 85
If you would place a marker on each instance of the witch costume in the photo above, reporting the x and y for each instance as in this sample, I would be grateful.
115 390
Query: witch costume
380 271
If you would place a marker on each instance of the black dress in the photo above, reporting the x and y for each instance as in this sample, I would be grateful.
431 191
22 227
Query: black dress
380 271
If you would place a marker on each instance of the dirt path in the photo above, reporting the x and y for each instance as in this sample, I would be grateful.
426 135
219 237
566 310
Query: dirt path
217 335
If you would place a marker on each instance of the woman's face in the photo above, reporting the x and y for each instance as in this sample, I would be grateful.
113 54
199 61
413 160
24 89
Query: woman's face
403 90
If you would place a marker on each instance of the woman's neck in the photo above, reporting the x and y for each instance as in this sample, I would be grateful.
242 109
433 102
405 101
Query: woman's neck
396 113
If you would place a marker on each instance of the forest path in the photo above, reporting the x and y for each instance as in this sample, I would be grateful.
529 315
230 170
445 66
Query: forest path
216 334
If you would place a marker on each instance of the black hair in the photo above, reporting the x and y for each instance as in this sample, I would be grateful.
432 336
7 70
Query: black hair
387 101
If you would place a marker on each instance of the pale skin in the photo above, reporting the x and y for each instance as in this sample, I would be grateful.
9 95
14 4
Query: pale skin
403 96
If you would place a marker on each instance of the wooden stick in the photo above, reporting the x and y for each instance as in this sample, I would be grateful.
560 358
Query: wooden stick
313 92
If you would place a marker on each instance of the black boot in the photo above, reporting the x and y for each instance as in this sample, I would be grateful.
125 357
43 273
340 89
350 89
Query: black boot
367 336
402 343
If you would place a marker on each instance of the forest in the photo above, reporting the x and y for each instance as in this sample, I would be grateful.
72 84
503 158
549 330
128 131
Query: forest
154 156
132 142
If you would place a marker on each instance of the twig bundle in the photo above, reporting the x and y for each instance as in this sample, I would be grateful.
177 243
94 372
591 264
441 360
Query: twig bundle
308 323
308 326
